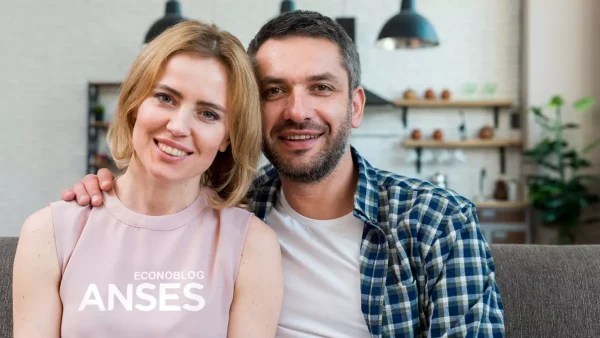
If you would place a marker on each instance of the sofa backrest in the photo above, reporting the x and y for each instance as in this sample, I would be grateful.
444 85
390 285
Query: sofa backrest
8 247
547 291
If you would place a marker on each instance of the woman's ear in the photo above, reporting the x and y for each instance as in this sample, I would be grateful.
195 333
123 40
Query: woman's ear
224 145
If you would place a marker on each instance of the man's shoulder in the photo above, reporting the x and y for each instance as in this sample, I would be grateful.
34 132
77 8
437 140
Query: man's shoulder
265 177
414 192
424 211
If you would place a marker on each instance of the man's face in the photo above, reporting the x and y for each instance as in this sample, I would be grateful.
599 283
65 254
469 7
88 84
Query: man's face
307 111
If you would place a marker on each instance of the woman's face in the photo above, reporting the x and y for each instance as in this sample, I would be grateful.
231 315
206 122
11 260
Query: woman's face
182 125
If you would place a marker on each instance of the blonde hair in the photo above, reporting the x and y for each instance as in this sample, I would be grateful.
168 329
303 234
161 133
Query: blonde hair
233 170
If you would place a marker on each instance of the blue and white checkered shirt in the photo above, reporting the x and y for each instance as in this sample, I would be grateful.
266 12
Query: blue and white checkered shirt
426 270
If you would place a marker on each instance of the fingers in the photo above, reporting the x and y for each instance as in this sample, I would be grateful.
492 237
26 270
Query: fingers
91 185
81 194
105 177
67 195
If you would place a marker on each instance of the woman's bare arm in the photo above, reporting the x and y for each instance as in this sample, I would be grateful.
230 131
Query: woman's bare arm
259 286
37 309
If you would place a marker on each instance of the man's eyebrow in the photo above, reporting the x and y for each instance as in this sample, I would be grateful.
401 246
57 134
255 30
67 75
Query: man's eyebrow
178 95
323 77
269 80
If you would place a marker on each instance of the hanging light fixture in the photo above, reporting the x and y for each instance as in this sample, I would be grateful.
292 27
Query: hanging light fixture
407 29
171 18
287 6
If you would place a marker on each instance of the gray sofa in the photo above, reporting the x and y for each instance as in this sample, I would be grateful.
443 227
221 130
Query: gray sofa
548 291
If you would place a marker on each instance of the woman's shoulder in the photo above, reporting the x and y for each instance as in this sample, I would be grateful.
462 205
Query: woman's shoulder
254 231
38 224
261 235
37 240
45 222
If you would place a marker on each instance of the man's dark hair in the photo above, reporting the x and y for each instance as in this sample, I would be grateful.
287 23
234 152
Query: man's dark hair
314 25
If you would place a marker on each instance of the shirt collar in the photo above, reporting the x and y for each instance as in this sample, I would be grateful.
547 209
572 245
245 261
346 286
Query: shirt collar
366 196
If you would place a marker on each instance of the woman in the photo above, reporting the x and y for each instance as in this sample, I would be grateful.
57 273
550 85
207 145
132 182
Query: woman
171 253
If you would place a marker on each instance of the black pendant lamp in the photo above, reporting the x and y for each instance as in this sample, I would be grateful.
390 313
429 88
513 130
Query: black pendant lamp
287 6
407 29
171 18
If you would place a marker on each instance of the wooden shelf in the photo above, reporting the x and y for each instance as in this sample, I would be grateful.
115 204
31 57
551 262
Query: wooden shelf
474 143
498 103
502 205
100 124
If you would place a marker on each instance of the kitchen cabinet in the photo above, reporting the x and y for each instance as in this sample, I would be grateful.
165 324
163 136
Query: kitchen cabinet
504 222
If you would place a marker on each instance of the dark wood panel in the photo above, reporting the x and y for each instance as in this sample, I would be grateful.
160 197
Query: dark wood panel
508 237
502 216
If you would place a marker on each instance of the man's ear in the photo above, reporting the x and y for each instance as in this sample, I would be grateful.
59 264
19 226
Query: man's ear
358 106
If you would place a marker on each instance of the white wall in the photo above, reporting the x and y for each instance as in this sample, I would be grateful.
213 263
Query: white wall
50 50
563 49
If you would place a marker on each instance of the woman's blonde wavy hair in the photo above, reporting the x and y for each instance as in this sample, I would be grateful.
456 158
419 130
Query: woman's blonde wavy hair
233 170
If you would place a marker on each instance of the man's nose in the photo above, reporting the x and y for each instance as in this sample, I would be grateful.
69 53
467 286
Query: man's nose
298 109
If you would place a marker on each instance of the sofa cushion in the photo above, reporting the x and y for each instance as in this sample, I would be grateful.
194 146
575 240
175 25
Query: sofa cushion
549 291
8 247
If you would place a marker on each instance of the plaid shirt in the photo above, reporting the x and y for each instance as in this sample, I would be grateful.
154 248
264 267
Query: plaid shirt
425 267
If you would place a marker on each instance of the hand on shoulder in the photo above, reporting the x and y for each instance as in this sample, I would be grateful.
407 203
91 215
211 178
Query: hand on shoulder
89 190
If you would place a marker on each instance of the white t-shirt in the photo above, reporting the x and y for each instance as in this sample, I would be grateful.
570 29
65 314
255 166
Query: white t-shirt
321 270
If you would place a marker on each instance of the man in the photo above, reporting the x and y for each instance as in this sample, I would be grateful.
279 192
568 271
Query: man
366 252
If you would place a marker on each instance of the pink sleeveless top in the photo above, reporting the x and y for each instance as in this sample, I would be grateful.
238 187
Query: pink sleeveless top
130 275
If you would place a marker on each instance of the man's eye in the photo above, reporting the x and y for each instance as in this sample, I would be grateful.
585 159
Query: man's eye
273 91
322 88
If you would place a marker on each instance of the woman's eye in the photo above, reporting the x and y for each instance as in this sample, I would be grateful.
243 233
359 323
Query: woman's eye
209 115
164 98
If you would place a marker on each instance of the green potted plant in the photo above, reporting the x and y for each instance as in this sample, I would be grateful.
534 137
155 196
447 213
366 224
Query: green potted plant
559 191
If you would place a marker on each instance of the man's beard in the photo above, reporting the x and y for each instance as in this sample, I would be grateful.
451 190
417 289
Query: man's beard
322 164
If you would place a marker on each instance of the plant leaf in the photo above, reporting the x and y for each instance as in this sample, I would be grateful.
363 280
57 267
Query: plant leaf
545 125
549 217
552 204
584 103
570 126
537 111
591 146
548 165
580 163
551 189
556 101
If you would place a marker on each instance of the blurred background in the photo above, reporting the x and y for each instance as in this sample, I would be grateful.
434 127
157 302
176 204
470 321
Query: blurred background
453 103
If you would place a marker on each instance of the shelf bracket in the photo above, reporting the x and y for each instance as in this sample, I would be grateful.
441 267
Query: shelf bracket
502 160
418 161
404 116
496 116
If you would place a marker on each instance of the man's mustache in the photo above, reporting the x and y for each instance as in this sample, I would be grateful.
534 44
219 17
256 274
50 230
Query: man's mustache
306 125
